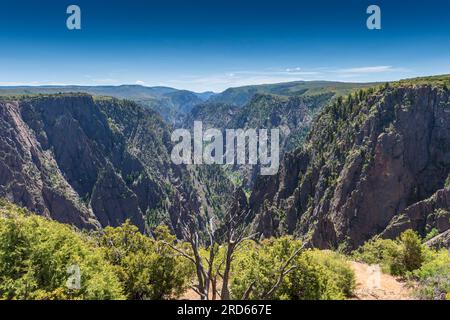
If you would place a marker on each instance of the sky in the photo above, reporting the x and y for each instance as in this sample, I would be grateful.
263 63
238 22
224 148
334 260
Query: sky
204 45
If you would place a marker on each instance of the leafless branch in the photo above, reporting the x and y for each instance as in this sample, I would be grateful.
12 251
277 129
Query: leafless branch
182 253
247 292
283 272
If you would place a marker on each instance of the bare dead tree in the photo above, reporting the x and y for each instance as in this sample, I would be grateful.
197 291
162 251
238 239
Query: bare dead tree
232 233
235 231
203 271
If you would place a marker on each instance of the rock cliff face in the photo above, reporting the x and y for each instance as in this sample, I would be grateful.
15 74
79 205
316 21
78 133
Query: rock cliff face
370 162
30 176
91 162
292 115
374 164
423 216
440 241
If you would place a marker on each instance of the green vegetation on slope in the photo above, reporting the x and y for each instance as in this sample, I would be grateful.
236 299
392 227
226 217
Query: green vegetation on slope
146 268
410 259
242 95
35 254
117 263
318 275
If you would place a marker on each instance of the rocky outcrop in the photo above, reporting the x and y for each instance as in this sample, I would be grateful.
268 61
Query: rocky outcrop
30 176
92 162
423 216
440 241
113 202
367 159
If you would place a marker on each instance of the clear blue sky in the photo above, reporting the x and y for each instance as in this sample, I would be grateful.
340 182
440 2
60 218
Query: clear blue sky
214 44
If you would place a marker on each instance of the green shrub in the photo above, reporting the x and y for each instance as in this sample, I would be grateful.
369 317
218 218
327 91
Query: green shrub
258 264
433 276
379 251
396 257
447 182
430 235
35 254
310 281
315 274
147 268
339 269
412 255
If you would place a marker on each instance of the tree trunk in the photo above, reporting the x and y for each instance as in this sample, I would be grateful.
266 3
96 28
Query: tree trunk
226 274
214 288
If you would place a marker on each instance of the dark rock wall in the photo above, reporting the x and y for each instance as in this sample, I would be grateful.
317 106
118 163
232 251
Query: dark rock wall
366 161
91 162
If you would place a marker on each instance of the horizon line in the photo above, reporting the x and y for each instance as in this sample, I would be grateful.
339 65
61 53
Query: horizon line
15 86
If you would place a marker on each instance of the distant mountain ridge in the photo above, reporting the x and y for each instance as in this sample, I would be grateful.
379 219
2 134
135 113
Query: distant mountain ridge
120 91
242 95
173 103
168 102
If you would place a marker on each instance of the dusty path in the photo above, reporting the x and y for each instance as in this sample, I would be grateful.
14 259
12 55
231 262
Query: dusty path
370 285
374 285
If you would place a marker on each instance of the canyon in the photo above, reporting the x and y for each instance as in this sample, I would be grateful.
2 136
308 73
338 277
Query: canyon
358 161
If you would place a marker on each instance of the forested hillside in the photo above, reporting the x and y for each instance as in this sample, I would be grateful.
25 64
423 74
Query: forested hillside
240 96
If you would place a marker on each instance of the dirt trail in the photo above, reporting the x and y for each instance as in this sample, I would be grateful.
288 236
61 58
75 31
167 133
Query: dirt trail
372 284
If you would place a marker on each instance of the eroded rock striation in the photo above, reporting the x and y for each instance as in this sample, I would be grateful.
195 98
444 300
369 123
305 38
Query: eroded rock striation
91 162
